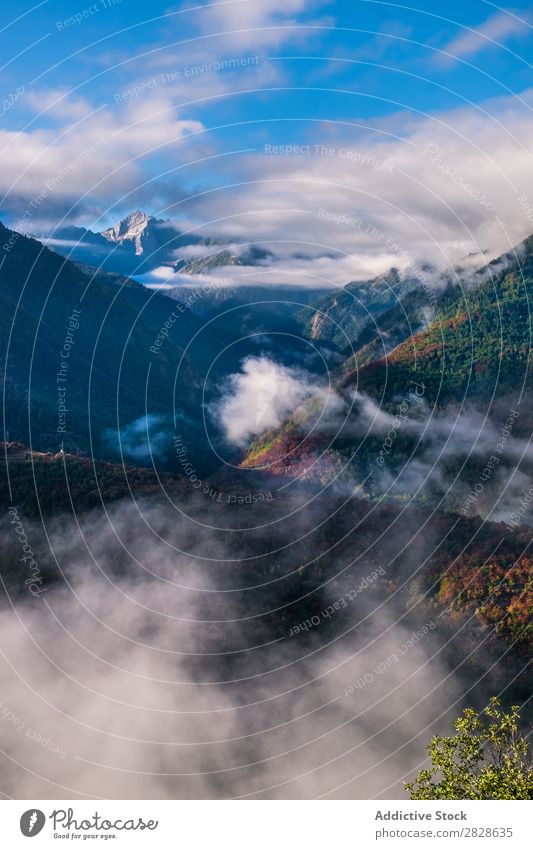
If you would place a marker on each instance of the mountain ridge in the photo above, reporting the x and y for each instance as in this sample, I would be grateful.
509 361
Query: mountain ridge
139 243
472 359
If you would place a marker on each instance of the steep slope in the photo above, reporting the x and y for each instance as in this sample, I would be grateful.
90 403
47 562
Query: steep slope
340 317
409 315
479 344
423 418
82 356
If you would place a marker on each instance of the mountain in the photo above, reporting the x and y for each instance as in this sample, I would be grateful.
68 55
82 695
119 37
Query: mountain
411 313
140 243
478 344
98 362
136 244
86 356
214 255
450 581
136 233
339 317
423 417
37 481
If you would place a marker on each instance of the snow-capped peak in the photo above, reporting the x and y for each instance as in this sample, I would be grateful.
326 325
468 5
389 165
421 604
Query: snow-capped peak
129 229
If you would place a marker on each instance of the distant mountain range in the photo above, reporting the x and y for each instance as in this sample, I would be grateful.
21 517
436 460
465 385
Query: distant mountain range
140 243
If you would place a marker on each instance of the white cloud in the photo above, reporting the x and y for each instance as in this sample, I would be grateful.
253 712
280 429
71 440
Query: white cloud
375 198
97 154
57 103
491 33
256 24
451 187
261 396
125 664
162 277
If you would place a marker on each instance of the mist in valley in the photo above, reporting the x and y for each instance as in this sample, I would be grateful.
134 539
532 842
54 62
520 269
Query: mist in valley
164 653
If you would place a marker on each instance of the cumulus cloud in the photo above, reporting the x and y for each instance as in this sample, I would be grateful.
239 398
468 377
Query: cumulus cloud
436 190
57 103
260 397
86 155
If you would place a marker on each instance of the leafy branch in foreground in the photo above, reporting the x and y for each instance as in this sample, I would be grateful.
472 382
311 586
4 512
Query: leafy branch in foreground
486 758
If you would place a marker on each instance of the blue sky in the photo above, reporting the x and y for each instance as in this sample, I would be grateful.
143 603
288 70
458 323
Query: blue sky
314 45
175 109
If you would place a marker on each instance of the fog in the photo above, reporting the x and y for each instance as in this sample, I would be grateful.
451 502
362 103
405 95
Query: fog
415 449
163 658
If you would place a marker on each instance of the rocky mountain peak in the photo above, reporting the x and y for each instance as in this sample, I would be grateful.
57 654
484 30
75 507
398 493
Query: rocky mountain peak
129 229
